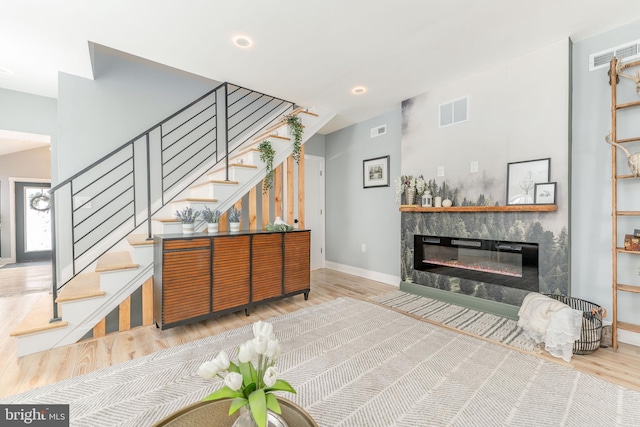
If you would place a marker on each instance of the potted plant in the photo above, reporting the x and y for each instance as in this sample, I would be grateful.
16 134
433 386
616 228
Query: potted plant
234 218
296 128
267 153
187 216
251 386
211 217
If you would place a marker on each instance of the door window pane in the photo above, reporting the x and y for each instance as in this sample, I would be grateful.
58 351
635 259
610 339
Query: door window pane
37 220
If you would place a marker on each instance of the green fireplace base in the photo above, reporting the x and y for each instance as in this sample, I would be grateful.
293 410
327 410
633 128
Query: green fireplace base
479 304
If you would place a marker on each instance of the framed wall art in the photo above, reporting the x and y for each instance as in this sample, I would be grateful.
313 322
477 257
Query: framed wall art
375 172
522 178
545 193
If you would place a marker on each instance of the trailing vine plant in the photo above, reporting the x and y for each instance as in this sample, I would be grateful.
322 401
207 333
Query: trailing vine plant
296 130
267 153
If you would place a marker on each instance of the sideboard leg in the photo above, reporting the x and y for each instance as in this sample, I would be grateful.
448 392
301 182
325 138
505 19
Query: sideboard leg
246 311
306 296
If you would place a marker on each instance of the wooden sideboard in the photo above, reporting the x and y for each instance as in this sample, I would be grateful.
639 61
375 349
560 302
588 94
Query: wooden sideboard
200 276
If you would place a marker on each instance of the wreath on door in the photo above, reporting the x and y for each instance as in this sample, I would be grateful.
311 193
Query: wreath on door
40 202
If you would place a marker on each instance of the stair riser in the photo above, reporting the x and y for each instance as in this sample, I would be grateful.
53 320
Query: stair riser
198 206
213 191
235 173
142 254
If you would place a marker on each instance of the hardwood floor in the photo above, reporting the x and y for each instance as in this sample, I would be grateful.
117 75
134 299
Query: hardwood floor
21 374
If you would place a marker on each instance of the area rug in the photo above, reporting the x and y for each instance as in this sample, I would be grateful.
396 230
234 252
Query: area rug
486 325
355 363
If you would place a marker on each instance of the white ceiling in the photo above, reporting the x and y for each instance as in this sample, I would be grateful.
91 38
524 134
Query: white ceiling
12 142
309 52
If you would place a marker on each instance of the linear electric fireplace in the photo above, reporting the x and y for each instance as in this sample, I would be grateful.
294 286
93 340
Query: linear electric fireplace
504 263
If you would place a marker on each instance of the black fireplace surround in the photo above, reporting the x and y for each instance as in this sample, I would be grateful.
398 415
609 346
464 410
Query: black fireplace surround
504 263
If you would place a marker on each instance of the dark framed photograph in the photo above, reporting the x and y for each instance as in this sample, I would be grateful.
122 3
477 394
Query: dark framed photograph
545 193
636 232
375 172
522 178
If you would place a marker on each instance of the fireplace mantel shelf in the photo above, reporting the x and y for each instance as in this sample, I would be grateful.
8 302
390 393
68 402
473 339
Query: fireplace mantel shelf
511 208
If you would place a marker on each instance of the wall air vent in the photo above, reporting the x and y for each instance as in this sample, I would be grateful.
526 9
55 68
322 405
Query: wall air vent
453 112
377 131
627 51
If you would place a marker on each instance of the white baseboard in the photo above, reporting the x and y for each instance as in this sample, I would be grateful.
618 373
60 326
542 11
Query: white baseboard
361 272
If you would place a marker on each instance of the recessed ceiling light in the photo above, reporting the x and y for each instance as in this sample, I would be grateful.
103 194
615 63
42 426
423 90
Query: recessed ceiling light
359 90
243 42
4 70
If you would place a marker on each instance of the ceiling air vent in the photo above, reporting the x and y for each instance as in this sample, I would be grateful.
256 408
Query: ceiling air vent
377 131
626 51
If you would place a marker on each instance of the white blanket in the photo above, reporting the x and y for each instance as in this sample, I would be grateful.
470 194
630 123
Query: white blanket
547 320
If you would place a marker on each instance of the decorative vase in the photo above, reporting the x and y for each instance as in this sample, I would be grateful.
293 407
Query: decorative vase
212 227
437 202
234 226
187 228
446 203
246 419
410 195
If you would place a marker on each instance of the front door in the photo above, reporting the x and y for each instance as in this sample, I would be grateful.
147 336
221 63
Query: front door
33 221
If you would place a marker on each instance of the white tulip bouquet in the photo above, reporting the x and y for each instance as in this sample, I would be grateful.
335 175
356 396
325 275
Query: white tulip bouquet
245 384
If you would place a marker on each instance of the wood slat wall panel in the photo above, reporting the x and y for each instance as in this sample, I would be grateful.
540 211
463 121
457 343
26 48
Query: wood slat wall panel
231 269
290 185
277 191
186 293
147 302
266 266
124 315
297 263
253 209
301 189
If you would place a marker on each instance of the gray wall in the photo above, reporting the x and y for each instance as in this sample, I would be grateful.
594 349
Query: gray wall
356 215
315 145
23 112
591 181
23 164
128 96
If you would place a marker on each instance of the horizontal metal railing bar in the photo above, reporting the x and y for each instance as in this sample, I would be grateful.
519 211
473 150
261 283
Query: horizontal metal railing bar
93 229
264 104
256 112
191 144
75 193
190 118
258 131
189 133
105 205
239 99
260 93
184 175
112 230
131 141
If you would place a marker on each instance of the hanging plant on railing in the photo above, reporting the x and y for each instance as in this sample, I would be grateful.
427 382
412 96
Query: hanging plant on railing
295 124
267 153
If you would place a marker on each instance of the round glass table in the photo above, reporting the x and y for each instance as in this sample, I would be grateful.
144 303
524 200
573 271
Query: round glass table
216 413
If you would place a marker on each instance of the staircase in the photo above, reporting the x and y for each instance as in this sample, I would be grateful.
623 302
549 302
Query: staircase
105 216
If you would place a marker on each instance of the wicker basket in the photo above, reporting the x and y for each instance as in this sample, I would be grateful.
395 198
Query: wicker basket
592 315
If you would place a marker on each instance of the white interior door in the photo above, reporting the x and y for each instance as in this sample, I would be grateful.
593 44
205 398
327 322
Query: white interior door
314 207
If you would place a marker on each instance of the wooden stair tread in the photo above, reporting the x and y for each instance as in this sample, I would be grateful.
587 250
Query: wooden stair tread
215 181
302 110
166 219
115 261
85 285
37 320
196 199
236 165
265 136
139 240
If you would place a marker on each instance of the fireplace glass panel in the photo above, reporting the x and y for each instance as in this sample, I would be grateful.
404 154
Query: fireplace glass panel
511 264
